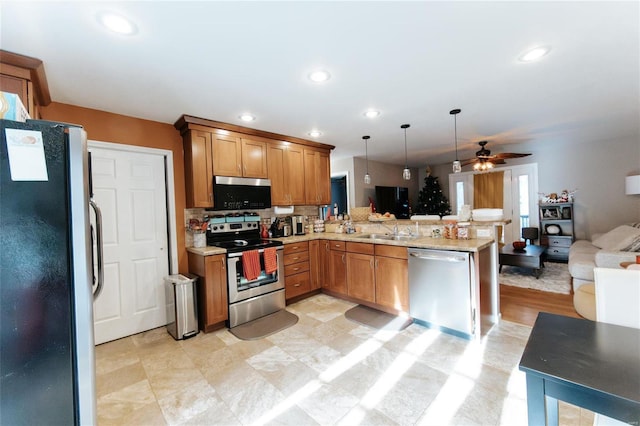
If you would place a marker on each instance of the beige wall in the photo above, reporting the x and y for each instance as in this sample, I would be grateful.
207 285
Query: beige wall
596 170
107 127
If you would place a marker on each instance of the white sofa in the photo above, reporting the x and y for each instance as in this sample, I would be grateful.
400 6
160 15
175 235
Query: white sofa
605 251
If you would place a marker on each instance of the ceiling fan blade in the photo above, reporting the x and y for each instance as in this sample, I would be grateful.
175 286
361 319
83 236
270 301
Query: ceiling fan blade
511 155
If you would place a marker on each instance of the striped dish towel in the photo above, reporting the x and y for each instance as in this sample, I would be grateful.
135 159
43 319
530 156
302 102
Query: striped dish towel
251 264
270 260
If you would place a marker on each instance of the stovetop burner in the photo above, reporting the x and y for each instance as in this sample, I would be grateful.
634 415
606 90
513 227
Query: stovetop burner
239 241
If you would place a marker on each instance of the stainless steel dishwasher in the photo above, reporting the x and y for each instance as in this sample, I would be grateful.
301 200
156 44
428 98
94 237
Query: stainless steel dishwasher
440 293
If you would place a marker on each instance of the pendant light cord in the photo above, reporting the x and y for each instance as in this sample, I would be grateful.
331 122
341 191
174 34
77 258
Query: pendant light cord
455 131
366 153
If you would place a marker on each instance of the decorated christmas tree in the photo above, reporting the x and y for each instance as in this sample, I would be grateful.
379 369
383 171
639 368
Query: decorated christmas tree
431 200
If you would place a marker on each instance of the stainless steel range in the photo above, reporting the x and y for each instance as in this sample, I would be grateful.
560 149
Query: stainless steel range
253 297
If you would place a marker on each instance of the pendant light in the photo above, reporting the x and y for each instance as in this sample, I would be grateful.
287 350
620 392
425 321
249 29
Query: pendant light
367 177
406 173
457 167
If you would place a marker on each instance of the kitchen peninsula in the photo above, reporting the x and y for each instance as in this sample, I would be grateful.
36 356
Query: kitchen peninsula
370 267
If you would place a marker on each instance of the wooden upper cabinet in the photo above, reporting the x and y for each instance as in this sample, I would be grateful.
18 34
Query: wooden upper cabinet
236 156
254 158
227 155
286 172
299 169
317 177
198 169
25 77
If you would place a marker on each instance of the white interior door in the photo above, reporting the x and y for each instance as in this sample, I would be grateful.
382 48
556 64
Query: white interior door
130 188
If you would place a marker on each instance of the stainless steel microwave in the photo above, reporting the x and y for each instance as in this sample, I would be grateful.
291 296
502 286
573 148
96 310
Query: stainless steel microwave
236 193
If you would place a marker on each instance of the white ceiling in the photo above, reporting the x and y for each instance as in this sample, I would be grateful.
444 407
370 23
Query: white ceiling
414 61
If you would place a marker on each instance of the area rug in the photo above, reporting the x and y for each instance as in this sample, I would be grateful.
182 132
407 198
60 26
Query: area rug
377 319
265 326
555 278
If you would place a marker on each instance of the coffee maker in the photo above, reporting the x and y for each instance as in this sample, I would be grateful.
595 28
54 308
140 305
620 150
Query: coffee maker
297 225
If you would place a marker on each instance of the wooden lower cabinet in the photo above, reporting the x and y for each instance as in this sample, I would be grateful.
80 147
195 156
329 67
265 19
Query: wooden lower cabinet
392 283
375 274
337 267
316 270
361 281
392 277
297 276
213 305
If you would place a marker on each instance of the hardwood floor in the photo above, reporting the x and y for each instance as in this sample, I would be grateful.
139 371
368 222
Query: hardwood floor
521 305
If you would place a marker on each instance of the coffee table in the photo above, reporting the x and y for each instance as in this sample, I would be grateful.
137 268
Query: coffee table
530 257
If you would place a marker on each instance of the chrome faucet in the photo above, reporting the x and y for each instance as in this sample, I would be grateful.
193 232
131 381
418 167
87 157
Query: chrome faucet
394 230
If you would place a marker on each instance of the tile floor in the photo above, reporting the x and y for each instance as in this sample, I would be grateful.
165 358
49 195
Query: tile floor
325 370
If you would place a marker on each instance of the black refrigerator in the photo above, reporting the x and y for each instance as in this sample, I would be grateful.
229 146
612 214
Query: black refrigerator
47 361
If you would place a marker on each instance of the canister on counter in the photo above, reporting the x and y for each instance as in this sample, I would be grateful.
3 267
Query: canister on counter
463 230
451 230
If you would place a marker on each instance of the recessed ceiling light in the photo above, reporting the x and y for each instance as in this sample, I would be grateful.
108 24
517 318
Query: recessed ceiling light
534 54
315 133
371 113
247 117
117 23
319 76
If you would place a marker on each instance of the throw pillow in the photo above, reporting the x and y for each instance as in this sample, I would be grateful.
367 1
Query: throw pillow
634 246
618 238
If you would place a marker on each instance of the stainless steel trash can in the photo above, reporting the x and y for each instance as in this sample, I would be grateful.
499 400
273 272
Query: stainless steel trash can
182 307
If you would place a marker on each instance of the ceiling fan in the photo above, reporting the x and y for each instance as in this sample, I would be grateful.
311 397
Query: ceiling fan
485 161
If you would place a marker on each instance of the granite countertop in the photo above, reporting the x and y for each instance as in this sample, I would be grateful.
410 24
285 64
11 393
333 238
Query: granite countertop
472 245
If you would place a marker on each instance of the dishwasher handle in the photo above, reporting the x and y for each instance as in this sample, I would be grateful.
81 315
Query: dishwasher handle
434 256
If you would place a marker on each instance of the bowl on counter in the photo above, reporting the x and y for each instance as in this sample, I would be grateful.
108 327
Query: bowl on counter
519 245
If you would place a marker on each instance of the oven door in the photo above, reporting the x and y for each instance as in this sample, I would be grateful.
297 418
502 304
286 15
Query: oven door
242 289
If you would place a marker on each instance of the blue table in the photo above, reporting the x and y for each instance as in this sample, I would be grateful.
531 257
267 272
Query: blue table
585 363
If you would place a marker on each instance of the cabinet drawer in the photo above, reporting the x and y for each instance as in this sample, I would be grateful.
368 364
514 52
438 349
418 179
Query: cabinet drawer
296 285
391 251
296 268
296 247
296 257
559 241
558 252
338 245
363 248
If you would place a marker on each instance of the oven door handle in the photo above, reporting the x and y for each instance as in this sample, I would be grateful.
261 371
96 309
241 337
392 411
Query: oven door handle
239 253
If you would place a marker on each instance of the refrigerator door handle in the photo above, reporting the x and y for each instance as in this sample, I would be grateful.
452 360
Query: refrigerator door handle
100 259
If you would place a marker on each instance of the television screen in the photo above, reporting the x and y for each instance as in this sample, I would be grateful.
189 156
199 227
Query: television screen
393 199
